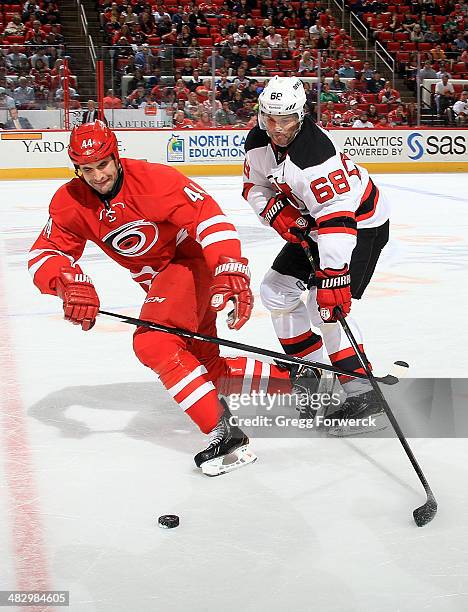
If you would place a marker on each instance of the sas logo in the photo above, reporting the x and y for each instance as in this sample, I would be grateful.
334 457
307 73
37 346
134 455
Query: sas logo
415 146
175 149
445 144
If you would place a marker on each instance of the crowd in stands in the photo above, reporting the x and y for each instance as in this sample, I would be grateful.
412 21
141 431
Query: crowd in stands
426 35
244 41
32 48
163 52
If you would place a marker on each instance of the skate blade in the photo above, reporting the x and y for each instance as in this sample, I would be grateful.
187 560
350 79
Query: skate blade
227 463
347 432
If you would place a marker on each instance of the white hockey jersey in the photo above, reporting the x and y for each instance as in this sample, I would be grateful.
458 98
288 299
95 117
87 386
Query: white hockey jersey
319 179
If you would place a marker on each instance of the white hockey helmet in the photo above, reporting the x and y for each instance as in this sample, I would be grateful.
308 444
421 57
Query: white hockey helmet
282 96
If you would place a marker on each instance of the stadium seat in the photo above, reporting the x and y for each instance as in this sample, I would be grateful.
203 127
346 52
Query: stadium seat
393 47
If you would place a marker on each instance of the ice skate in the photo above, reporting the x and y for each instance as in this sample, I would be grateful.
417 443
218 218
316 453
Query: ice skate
227 450
309 385
366 409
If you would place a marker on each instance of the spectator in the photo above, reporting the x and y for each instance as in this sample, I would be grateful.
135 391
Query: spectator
203 91
245 112
195 81
412 113
252 58
130 18
180 120
36 34
147 24
325 120
15 27
241 81
215 61
23 94
460 109
443 69
111 100
349 115
376 83
443 95
388 95
317 29
192 106
291 40
337 86
225 116
241 38
236 58
273 39
324 41
398 116
251 28
327 95
306 63
17 123
59 94
460 42
359 84
264 51
372 113
382 123
347 70
6 101
181 91
204 121
39 55
250 92
91 113
363 121
417 35
15 60
136 98
432 35
367 71
144 59
427 71
438 53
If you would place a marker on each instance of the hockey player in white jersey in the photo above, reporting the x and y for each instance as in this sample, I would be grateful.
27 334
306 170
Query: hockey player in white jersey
295 176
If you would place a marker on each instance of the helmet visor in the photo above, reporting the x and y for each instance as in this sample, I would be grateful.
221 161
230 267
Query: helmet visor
281 128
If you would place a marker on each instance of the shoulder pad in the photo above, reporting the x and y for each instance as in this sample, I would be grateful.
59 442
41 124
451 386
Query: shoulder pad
311 147
256 138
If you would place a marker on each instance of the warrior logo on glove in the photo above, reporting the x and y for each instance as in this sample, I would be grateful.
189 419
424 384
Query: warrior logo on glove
333 290
232 282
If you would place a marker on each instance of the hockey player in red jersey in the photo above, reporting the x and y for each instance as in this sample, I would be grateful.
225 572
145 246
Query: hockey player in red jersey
296 177
183 251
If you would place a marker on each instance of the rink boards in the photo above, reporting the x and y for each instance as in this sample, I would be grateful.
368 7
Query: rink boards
43 154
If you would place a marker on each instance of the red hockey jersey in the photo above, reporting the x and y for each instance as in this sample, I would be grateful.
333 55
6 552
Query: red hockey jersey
156 209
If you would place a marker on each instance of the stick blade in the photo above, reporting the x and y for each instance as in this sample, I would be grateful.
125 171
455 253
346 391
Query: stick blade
425 513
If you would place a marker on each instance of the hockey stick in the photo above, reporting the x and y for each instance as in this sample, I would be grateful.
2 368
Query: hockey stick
425 513
185 333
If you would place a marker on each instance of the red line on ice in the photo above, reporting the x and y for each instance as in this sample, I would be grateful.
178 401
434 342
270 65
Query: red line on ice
31 565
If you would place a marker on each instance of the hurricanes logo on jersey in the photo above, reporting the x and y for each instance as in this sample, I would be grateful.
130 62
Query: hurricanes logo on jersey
133 239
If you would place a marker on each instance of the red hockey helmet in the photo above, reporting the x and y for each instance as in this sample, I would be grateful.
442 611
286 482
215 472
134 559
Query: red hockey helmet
92 142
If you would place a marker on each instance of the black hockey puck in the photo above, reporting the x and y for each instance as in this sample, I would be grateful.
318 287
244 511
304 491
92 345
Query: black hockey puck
168 521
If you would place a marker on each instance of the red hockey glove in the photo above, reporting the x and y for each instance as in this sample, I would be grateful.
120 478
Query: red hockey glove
232 282
283 216
80 300
333 289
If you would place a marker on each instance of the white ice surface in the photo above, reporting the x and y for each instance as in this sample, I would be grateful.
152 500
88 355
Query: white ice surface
315 524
